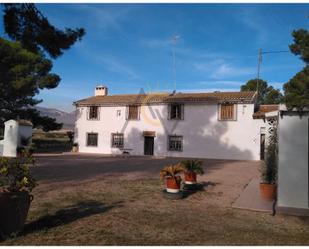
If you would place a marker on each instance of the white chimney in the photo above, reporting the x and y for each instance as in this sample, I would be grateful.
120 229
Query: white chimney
101 91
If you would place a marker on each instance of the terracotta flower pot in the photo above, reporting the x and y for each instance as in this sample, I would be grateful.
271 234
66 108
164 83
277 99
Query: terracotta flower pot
172 184
14 208
190 177
268 191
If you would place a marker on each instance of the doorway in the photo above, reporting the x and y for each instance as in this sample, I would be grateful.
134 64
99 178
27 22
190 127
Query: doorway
262 147
148 145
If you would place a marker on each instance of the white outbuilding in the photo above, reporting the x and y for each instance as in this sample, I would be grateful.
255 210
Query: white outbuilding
16 132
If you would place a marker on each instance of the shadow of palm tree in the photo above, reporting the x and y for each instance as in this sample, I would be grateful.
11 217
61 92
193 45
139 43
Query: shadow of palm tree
67 215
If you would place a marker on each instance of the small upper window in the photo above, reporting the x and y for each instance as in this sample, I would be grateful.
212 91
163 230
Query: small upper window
92 139
117 140
133 112
227 112
93 113
175 143
176 111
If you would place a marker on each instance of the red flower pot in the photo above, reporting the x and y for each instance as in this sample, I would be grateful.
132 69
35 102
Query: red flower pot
268 191
190 177
173 184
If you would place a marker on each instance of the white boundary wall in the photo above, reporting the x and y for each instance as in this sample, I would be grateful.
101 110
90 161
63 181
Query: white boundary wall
293 161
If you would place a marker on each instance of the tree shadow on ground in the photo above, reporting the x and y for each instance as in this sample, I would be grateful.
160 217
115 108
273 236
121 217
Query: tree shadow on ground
67 215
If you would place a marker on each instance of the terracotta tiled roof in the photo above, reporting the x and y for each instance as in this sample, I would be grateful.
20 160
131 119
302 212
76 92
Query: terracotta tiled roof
260 113
153 98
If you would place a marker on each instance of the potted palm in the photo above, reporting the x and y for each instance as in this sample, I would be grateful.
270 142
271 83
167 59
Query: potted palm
269 170
171 175
191 169
16 184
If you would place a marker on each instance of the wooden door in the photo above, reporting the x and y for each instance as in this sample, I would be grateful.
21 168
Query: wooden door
148 145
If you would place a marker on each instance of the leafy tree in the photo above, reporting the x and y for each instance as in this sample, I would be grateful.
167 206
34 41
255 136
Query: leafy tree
296 90
26 24
301 44
22 74
266 95
24 66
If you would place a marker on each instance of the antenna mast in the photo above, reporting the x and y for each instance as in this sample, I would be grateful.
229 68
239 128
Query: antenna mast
174 40
258 71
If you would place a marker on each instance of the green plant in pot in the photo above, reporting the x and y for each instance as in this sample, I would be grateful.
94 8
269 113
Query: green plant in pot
16 184
171 175
192 168
269 169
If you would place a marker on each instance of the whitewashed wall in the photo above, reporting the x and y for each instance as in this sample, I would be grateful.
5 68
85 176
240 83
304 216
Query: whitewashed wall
10 141
13 133
203 135
293 161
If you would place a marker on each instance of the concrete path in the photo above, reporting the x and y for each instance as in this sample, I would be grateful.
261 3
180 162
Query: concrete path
250 199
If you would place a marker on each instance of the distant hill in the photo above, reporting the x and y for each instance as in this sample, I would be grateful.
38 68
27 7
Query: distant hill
67 118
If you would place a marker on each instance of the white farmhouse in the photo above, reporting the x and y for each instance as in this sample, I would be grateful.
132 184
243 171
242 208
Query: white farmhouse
222 125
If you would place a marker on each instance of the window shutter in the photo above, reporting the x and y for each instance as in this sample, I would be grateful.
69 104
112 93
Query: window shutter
99 110
235 112
88 112
182 111
169 112
127 112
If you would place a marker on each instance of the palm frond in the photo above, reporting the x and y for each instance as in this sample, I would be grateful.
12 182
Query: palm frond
171 170
193 166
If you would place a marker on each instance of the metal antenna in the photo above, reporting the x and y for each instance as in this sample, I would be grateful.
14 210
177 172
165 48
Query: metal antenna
174 40
260 62
258 71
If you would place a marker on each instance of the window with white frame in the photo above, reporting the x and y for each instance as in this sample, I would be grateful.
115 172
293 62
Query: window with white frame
176 111
92 139
117 140
93 113
175 143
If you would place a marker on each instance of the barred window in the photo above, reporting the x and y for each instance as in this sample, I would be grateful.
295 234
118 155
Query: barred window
93 112
117 140
176 111
227 112
133 112
92 139
175 143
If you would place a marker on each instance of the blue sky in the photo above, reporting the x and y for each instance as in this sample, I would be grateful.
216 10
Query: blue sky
128 47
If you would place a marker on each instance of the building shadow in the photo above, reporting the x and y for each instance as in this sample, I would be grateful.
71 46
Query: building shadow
68 215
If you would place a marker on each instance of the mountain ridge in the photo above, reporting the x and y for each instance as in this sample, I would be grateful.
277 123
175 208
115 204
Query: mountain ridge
67 118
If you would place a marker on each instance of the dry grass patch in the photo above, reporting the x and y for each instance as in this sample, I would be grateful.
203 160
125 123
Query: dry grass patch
134 212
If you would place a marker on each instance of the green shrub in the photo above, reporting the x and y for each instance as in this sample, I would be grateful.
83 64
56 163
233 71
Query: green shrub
15 173
270 167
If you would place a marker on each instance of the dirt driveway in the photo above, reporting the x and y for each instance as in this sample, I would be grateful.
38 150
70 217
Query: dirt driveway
228 176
